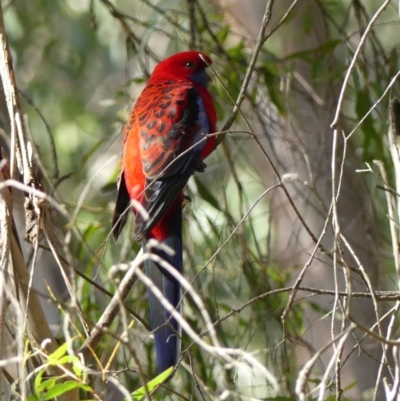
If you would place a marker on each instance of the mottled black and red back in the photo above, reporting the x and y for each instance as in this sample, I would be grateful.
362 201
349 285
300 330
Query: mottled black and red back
172 129
168 121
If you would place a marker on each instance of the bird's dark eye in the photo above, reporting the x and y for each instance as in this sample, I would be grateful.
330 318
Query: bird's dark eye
190 64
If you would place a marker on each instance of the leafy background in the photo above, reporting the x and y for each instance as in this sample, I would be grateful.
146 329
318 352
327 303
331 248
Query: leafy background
80 65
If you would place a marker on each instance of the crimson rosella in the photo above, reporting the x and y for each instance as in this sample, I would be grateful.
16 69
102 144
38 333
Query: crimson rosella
165 141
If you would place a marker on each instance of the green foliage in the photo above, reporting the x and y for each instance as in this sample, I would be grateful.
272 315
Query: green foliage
83 63
50 388
152 385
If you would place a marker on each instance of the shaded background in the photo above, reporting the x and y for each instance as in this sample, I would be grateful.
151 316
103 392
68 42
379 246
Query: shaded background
80 65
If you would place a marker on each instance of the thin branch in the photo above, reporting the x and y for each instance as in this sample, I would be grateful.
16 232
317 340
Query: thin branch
112 309
254 57
354 60
191 4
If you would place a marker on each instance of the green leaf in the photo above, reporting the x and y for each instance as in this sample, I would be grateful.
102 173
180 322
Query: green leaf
77 366
110 187
47 383
272 76
152 385
63 388
206 194
215 230
58 353
38 382
223 33
316 308
312 54
356 79
308 19
373 146
236 51
86 157
137 80
393 63
350 386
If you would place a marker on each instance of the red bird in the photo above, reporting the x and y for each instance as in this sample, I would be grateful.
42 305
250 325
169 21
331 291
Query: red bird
165 141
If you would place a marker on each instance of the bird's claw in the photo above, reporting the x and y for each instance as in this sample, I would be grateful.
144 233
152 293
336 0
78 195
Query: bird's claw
186 200
201 167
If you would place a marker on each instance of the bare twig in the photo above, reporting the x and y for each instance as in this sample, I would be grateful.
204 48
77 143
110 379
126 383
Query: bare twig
226 354
112 309
393 202
21 148
21 157
354 60
256 51
306 370
191 4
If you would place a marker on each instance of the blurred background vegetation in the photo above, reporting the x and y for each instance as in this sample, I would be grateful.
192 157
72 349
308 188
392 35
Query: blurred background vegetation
80 65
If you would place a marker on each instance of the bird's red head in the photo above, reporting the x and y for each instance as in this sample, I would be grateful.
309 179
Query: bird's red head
185 65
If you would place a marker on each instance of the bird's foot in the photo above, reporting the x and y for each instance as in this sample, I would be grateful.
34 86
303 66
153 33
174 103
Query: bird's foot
201 167
186 200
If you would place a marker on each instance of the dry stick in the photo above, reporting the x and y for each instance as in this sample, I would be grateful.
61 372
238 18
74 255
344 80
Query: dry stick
290 200
310 259
336 190
19 137
191 5
53 150
394 143
354 60
113 308
5 228
282 185
227 354
393 81
390 312
338 234
347 274
108 293
392 391
16 301
68 284
38 326
335 359
10 292
38 329
342 237
131 36
260 41
64 264
53 203
305 372
198 381
241 221
372 334
380 296
282 20
34 192
336 247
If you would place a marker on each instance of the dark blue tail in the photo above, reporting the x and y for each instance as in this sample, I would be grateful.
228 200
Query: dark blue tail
167 332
